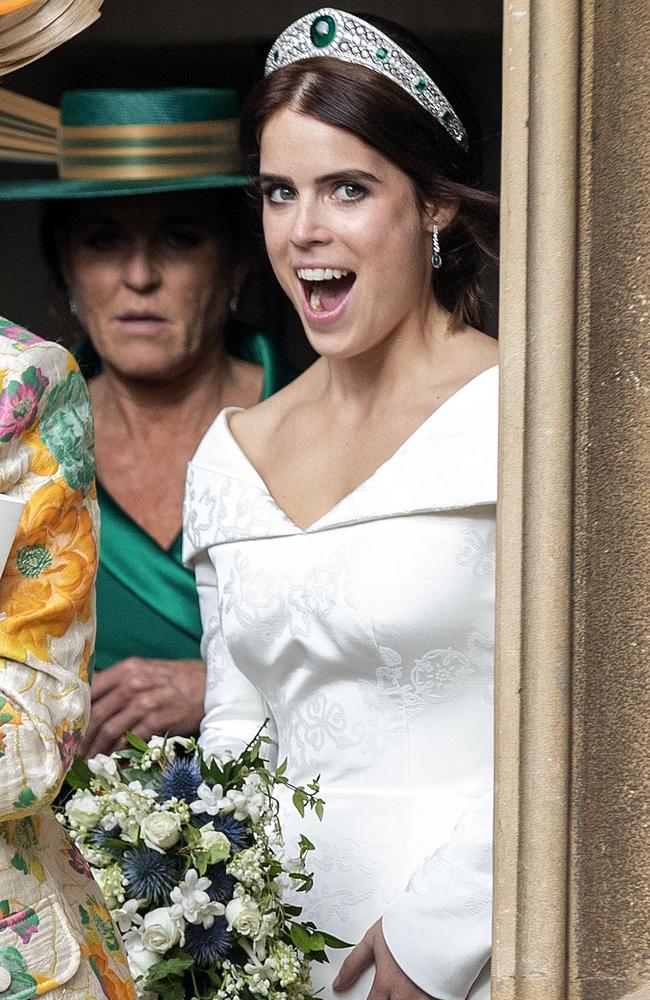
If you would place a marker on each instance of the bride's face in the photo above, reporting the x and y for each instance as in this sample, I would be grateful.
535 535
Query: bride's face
346 237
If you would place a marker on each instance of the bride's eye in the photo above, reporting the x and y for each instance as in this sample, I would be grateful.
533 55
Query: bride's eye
277 194
350 192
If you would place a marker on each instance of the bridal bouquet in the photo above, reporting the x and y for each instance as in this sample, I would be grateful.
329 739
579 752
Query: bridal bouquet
191 861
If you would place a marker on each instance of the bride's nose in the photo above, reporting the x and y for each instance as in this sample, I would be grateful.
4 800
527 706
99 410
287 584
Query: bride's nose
309 226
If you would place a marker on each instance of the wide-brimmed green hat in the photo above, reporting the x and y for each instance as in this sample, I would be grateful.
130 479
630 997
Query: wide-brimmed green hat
121 142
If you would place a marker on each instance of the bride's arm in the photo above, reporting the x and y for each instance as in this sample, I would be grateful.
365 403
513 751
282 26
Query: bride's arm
435 939
439 931
234 708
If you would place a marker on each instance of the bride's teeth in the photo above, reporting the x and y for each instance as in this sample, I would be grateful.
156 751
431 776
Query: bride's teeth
315 302
321 273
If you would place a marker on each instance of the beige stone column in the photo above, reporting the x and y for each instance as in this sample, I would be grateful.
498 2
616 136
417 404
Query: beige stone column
572 865
610 847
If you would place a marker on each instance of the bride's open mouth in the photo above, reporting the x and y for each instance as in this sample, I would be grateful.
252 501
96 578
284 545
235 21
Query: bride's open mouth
325 290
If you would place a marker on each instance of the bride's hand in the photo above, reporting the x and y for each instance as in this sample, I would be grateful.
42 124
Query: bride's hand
390 982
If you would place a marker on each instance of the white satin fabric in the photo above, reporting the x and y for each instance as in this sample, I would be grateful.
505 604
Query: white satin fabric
367 639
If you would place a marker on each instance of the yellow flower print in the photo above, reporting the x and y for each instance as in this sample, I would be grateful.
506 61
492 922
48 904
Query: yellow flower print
42 463
87 661
113 985
8 717
49 574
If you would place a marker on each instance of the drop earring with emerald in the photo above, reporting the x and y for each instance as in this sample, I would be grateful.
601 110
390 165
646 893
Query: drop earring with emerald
436 257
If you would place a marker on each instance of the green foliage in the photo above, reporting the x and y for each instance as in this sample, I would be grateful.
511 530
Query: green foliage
167 977
79 775
135 742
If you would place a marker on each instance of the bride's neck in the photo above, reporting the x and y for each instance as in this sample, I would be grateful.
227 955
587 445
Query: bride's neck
391 368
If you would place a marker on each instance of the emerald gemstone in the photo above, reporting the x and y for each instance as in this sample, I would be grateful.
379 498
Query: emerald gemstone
436 261
32 560
447 118
420 85
381 53
276 55
322 31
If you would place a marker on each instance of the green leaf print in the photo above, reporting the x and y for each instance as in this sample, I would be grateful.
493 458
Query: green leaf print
18 862
25 799
22 984
67 430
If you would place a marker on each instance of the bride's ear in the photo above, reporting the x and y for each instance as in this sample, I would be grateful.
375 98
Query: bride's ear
440 215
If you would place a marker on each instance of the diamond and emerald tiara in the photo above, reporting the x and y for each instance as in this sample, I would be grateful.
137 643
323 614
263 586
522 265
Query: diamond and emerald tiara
339 35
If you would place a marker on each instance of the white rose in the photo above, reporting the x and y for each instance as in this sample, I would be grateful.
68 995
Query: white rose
160 830
83 809
243 917
215 842
161 931
140 958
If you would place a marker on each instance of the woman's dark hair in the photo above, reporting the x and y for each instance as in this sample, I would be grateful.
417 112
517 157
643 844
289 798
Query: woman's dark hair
381 114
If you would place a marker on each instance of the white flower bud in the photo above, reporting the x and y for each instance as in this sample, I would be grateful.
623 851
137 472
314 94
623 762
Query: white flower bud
103 766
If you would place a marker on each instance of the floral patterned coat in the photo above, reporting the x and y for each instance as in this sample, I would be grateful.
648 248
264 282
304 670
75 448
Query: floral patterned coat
56 935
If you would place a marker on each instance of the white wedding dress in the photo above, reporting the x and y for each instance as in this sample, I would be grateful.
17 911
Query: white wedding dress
367 639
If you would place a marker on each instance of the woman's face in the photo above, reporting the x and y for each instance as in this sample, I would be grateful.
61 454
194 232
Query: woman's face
346 238
150 278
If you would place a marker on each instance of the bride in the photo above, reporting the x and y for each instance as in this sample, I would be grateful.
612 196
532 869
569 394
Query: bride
342 532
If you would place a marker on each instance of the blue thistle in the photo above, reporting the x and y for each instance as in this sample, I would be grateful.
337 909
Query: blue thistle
200 819
180 780
237 832
222 883
208 944
149 874
98 837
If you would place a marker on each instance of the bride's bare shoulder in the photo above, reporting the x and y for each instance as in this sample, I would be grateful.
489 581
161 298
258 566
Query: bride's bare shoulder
261 423
481 348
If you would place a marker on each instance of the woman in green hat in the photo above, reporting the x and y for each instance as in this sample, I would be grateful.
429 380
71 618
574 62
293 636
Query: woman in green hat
145 228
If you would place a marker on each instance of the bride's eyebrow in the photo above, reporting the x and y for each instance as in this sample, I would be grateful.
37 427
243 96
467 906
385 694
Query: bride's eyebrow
349 175
267 179
339 175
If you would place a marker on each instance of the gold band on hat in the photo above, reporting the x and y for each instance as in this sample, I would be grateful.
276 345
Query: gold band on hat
140 152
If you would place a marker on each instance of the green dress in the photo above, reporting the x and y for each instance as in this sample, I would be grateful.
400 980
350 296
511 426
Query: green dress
146 599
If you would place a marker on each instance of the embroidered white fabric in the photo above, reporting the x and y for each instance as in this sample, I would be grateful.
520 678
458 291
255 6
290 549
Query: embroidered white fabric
367 639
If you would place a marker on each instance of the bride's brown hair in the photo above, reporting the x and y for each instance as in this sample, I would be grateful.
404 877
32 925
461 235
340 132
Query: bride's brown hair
384 116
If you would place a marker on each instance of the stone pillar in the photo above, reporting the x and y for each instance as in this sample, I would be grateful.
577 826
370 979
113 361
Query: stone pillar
610 803
572 864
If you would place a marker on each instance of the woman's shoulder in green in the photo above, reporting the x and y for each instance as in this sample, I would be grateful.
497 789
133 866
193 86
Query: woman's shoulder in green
255 346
